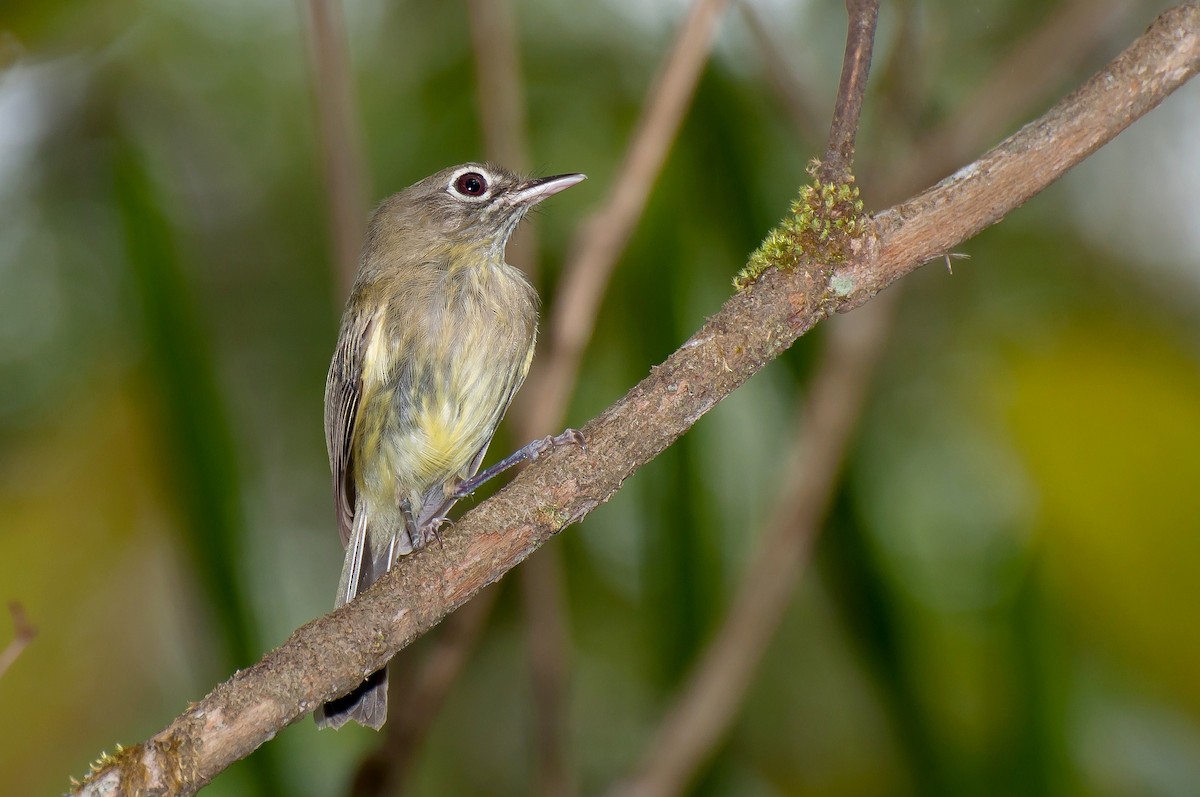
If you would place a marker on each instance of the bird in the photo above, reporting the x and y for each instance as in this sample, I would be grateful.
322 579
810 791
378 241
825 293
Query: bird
436 338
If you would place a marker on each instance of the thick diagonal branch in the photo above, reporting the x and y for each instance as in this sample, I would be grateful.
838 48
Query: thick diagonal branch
331 654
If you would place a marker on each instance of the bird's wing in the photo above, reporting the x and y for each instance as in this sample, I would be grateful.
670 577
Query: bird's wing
343 389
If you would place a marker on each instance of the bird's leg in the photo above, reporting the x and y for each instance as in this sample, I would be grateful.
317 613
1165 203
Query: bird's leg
429 531
531 451
435 505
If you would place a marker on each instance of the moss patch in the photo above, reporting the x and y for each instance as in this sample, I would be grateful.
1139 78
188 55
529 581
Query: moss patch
819 225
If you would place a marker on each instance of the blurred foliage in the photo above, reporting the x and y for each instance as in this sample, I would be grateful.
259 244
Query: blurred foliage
1003 599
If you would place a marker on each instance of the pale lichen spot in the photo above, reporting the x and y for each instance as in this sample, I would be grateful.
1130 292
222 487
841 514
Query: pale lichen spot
842 284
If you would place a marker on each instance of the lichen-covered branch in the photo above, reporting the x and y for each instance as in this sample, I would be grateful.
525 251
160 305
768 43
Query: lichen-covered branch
331 654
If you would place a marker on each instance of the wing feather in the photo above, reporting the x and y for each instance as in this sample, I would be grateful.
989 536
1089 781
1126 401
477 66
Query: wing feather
343 390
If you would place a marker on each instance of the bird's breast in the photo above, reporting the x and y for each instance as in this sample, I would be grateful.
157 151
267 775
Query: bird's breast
443 375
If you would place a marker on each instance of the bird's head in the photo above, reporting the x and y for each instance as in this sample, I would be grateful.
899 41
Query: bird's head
472 208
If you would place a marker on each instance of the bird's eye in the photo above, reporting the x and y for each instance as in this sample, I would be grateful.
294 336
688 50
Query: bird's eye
471 184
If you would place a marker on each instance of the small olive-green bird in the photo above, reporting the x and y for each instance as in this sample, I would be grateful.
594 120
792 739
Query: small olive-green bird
436 339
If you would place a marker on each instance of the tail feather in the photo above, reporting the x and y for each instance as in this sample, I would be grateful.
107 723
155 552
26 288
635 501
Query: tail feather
366 704
356 570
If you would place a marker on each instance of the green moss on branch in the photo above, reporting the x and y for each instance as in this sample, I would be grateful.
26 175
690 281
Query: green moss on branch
819 226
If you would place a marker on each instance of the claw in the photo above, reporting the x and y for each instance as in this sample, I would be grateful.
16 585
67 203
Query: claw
430 531
567 437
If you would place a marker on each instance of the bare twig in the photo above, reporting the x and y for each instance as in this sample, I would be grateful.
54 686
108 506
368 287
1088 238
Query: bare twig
1043 59
542 594
333 653
794 95
341 157
543 597
500 92
536 412
701 713
542 405
900 97
838 162
385 770
602 239
23 634
706 705
501 100
415 704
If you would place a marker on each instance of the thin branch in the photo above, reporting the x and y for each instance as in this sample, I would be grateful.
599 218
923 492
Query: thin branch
837 165
548 641
900 97
794 95
1045 58
500 93
416 703
500 96
341 157
542 594
701 714
602 239
707 703
497 66
542 405
385 770
332 654
23 634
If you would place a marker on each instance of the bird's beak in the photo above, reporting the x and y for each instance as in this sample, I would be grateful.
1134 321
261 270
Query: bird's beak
534 191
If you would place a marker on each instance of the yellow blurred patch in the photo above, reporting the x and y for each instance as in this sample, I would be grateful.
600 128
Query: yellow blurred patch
86 546
1108 424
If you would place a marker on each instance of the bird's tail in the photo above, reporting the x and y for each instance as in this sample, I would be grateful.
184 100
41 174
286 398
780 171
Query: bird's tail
366 704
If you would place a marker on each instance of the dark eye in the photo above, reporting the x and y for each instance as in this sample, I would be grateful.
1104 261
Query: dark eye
471 184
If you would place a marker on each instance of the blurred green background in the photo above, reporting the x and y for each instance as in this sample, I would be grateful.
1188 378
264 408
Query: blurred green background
1005 598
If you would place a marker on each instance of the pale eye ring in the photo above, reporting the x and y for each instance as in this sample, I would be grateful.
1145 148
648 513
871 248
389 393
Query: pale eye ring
471 184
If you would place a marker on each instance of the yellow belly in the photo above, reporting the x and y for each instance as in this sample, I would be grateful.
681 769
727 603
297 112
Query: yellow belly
435 384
